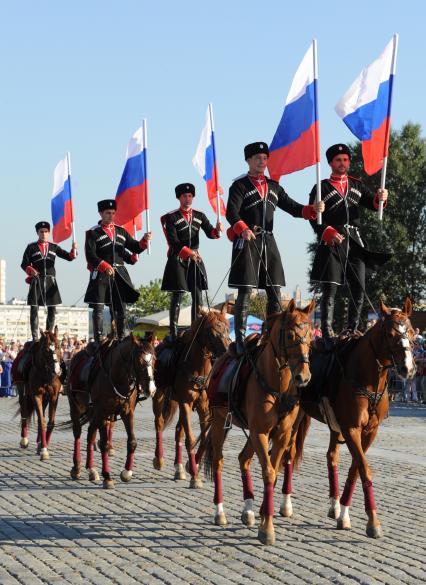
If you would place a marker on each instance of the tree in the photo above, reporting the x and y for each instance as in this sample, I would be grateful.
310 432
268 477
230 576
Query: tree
151 300
404 220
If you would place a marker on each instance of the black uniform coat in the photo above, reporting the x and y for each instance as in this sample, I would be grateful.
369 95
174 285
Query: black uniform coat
184 275
44 288
100 247
342 213
246 204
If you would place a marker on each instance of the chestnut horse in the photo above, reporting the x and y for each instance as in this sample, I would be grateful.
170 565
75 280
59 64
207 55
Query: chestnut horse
40 390
207 339
123 370
280 368
358 385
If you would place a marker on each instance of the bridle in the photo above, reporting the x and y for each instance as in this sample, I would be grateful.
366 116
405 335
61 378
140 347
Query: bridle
300 339
401 327
50 362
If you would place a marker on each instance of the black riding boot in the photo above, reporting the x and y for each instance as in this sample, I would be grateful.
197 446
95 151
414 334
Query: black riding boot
174 314
120 318
34 322
354 310
327 313
274 305
50 319
241 310
196 304
98 322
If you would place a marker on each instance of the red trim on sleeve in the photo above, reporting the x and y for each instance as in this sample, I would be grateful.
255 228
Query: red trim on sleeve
134 258
239 227
308 212
30 270
328 234
103 266
376 202
143 244
215 234
73 253
231 234
185 253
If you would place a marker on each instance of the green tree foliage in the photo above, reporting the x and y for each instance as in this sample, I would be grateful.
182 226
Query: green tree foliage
404 221
151 300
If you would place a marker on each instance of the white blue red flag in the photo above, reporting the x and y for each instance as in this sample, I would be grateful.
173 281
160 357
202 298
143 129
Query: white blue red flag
295 145
366 108
62 210
205 163
132 194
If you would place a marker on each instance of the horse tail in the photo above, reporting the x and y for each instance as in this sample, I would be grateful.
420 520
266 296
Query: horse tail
208 455
169 408
83 419
302 431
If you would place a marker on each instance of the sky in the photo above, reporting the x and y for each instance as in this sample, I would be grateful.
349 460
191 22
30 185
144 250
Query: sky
80 77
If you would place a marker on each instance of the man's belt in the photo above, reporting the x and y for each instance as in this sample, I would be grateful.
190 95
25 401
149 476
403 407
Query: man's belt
259 231
115 265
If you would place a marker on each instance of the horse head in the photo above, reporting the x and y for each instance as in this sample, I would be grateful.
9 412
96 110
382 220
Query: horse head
47 353
396 337
211 331
143 363
291 332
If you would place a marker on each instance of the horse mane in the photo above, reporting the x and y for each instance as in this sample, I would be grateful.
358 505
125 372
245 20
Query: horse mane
209 318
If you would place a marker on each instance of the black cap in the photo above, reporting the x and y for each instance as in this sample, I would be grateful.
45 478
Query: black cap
107 204
184 188
255 148
42 225
335 150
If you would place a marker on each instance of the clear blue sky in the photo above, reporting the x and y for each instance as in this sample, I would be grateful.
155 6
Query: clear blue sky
80 76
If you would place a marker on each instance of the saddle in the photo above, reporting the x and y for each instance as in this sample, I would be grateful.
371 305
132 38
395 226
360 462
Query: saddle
22 363
168 354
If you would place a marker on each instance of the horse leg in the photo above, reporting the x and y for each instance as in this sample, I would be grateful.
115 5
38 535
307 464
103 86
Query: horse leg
90 457
157 407
24 416
266 533
128 421
286 508
245 458
333 457
357 445
344 521
53 405
110 446
44 453
214 464
203 410
179 467
103 443
185 418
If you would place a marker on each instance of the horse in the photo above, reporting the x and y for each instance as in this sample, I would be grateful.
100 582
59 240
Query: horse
357 386
121 371
279 369
41 389
207 339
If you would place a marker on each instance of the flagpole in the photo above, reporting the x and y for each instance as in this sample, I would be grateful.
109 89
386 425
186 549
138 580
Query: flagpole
317 138
385 158
215 164
145 146
72 207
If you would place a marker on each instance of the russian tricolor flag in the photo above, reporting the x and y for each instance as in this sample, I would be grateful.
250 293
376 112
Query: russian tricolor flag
62 211
366 107
132 192
296 141
205 162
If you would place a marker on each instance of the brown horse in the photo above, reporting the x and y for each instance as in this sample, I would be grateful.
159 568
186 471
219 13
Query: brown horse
279 368
122 371
357 387
207 339
41 389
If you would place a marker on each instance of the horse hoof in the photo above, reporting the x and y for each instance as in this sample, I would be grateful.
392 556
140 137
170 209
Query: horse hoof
248 518
333 513
286 511
158 463
220 519
108 484
75 473
44 454
126 475
267 538
179 474
23 442
93 475
374 531
195 483
343 524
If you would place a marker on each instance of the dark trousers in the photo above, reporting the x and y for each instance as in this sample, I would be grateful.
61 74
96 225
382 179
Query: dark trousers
118 315
175 305
241 309
50 320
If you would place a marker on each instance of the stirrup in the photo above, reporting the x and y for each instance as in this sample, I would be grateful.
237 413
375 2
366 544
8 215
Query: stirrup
228 422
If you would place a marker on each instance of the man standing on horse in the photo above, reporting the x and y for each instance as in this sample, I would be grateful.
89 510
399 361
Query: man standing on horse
341 256
106 251
185 270
256 261
39 263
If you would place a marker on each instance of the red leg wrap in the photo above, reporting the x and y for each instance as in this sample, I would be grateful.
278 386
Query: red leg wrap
178 453
105 462
248 492
367 487
268 500
77 452
192 464
159 453
90 459
348 492
130 461
288 476
333 481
